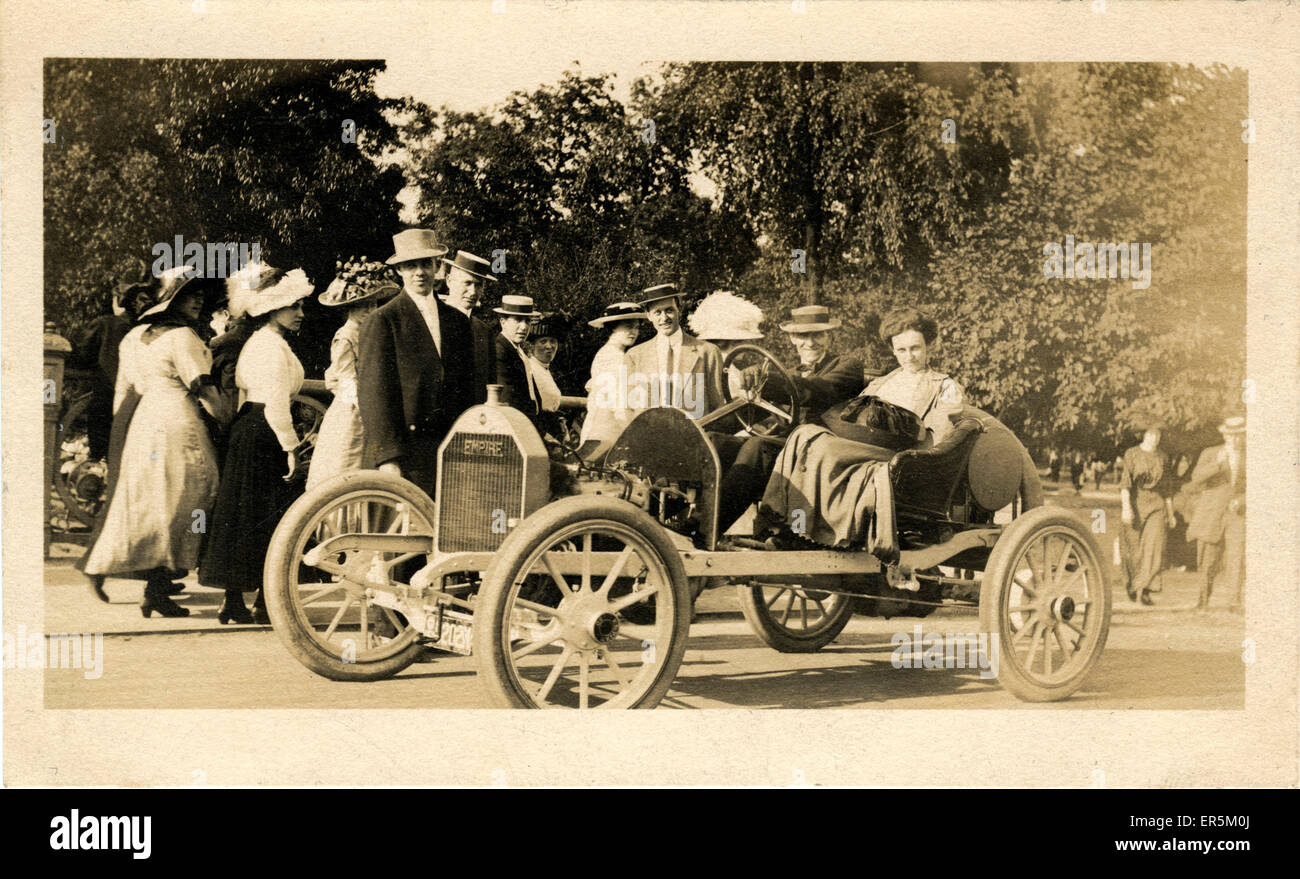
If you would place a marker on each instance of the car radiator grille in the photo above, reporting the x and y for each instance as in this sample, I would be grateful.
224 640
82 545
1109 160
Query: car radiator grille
480 493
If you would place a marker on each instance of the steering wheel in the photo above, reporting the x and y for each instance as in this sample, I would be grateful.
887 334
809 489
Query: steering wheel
770 376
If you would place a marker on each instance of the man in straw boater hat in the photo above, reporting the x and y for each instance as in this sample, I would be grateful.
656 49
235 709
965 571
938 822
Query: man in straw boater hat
674 369
513 372
421 363
1218 522
822 379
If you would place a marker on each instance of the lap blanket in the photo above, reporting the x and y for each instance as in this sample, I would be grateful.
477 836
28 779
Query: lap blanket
836 489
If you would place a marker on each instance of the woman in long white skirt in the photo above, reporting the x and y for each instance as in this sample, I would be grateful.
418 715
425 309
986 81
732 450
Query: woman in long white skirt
338 445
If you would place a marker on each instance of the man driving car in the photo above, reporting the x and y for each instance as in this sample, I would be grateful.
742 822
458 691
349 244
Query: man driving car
821 381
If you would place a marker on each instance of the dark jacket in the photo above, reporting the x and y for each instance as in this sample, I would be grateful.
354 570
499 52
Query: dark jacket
835 380
509 372
407 394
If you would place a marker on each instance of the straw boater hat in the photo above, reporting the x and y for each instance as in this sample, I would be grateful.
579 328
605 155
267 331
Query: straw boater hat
1233 425
657 293
724 316
517 306
617 313
258 289
471 264
357 283
413 244
177 280
810 319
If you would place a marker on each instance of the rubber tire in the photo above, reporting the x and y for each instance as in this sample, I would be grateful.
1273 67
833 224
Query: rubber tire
997 576
299 641
489 615
777 636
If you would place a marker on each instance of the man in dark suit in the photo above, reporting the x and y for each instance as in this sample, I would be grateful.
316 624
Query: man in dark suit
512 372
420 365
821 380
1218 523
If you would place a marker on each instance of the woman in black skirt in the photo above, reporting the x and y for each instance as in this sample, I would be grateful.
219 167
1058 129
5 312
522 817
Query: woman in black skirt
257 483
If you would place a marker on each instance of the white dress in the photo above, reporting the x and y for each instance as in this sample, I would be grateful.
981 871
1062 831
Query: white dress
339 443
168 473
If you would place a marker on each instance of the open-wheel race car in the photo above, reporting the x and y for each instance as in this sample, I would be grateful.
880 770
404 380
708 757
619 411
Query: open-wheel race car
570 575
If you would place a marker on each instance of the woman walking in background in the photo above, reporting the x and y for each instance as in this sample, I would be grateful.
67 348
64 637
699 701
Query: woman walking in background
338 446
261 458
1146 513
168 470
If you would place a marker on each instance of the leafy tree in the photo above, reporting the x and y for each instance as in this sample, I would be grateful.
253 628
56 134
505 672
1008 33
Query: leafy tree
214 151
587 208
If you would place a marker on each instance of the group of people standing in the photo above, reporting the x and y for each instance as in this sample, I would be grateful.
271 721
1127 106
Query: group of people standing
204 456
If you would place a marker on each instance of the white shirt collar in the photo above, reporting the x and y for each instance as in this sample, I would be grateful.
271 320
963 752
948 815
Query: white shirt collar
674 340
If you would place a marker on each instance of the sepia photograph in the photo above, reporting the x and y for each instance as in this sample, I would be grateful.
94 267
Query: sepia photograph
886 384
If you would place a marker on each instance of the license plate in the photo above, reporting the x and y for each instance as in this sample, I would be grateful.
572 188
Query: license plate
453 631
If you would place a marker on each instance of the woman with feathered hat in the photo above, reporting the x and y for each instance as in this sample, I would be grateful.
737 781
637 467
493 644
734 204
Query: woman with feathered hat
261 457
357 290
168 472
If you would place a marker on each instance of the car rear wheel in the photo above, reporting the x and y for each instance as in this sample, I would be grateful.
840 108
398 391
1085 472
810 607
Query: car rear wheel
794 619
585 606
320 610
1045 598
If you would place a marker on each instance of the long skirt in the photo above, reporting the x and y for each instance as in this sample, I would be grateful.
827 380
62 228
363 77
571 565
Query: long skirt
165 483
1142 552
827 488
116 440
252 499
338 445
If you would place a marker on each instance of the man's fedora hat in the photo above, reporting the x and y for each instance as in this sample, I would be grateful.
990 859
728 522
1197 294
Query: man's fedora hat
618 312
413 244
810 319
471 264
1233 425
657 293
517 306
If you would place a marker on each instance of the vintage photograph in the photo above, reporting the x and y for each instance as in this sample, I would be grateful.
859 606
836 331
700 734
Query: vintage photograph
693 384
820 377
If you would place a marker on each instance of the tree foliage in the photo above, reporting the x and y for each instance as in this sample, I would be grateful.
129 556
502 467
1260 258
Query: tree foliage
214 151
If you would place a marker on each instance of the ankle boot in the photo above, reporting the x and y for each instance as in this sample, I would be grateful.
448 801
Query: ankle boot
156 599
260 616
233 610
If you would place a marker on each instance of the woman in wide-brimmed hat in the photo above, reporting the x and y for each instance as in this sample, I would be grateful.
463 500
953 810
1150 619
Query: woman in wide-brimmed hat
727 320
359 287
261 458
168 468
1146 512
607 412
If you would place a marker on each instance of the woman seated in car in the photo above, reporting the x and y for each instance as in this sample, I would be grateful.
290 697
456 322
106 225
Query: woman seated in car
823 486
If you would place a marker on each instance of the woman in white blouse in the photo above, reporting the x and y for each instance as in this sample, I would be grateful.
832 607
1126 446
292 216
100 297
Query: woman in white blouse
607 412
261 459
168 470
